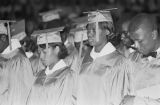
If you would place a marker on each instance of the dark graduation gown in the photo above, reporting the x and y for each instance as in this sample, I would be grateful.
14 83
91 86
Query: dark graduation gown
54 89
18 78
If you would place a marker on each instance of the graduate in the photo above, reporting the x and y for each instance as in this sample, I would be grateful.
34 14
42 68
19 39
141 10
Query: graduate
18 30
36 63
17 71
3 45
82 48
144 32
55 85
51 19
102 81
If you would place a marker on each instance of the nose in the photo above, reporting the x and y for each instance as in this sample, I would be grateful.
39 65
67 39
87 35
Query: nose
42 55
136 44
90 33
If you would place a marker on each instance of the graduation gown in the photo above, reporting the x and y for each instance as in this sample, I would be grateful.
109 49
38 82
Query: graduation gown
147 79
146 82
3 79
72 60
136 100
19 79
105 81
77 63
37 65
54 89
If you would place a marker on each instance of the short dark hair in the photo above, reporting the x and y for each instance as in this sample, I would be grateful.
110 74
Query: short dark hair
62 54
143 18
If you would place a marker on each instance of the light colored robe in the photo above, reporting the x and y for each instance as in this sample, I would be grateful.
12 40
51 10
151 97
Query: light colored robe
135 100
57 88
105 81
37 65
146 82
18 79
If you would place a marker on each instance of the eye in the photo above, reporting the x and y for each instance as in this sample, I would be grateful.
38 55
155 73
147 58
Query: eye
140 41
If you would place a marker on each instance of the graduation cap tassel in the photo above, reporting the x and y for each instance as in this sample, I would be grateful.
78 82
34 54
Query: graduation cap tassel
80 49
47 45
97 30
9 35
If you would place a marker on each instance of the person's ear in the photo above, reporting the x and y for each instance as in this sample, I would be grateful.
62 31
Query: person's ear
57 49
107 32
154 34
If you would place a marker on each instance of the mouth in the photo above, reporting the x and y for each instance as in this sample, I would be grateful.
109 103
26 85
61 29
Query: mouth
43 61
91 40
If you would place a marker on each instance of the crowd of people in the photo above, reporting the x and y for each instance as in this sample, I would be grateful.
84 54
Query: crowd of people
93 58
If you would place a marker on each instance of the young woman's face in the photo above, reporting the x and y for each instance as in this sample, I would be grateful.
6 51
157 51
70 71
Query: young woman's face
48 57
91 32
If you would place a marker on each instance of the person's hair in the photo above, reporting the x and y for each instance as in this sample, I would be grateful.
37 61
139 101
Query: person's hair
65 32
107 25
142 19
63 53
85 42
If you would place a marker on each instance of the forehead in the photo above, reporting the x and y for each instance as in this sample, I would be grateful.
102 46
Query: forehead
91 26
139 34
125 26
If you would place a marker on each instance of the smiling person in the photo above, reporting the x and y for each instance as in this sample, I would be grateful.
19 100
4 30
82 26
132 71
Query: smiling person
102 80
145 34
82 47
55 84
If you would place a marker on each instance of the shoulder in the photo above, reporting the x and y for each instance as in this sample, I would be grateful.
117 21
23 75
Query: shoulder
40 78
60 76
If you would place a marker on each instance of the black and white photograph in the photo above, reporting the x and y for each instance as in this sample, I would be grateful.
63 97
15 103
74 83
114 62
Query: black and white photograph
79 52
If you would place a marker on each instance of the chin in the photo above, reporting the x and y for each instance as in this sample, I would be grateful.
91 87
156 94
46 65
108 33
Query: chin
91 43
44 63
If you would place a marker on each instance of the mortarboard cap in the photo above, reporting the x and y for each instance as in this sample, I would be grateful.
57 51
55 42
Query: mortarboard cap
80 21
18 30
80 35
15 45
99 16
8 29
7 21
50 15
3 28
48 35
80 32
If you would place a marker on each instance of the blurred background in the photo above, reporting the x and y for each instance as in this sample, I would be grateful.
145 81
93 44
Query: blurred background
30 9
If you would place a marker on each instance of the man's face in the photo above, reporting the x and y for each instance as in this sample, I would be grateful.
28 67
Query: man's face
143 40
3 43
91 32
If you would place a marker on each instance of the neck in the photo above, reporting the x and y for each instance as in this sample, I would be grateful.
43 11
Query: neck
86 52
98 48
53 64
